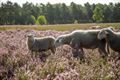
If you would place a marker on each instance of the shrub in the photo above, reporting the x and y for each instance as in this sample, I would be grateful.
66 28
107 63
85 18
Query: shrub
41 20
33 20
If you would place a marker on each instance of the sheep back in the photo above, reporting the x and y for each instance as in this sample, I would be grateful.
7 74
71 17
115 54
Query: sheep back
85 38
42 44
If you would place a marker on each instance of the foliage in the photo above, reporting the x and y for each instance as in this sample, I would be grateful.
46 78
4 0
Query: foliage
116 14
32 19
98 13
13 13
41 20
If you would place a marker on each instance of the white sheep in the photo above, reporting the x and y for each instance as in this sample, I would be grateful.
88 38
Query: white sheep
80 39
112 38
39 44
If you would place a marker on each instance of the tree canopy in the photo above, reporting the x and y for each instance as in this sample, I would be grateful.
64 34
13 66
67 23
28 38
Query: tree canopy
29 13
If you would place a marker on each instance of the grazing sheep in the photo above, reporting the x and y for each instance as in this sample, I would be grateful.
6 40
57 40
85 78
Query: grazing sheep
80 39
112 38
40 44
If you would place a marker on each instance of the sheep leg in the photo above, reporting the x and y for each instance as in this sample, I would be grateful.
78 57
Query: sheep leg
75 47
53 50
82 56
75 52
82 51
107 46
102 50
42 56
79 54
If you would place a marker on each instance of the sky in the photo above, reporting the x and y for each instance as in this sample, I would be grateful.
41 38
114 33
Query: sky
63 1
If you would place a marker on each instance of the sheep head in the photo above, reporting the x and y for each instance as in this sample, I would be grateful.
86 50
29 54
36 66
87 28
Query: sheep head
104 33
30 39
30 35
59 41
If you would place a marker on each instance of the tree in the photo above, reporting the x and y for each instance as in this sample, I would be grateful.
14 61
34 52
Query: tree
41 20
32 19
116 13
57 15
17 13
76 12
50 13
89 11
61 14
7 13
108 13
98 13
28 13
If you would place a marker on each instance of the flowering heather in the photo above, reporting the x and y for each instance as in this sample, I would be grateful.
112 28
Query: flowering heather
16 63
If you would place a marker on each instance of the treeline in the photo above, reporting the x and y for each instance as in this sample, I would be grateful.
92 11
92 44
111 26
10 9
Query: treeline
28 13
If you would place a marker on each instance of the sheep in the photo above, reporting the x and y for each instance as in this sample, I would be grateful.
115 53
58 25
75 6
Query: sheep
80 39
38 44
112 38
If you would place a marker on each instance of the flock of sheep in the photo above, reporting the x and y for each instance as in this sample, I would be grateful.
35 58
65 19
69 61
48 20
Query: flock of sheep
77 40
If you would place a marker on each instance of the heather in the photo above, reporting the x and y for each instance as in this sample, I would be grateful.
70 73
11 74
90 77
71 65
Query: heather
17 63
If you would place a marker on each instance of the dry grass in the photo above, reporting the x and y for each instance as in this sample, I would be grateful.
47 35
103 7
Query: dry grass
16 63
62 27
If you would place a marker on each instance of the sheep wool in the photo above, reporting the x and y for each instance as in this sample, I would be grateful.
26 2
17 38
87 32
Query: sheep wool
112 38
80 39
39 44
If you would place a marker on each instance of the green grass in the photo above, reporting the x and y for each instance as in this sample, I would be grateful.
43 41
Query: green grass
61 27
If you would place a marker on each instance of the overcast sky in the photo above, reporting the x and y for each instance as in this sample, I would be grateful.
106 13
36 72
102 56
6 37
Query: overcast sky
63 1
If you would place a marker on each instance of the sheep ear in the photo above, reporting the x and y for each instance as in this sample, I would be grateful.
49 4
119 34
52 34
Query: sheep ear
71 42
28 35
106 32
60 40
101 34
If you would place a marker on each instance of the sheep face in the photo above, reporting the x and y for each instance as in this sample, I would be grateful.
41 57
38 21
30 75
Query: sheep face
59 41
30 40
104 33
30 36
